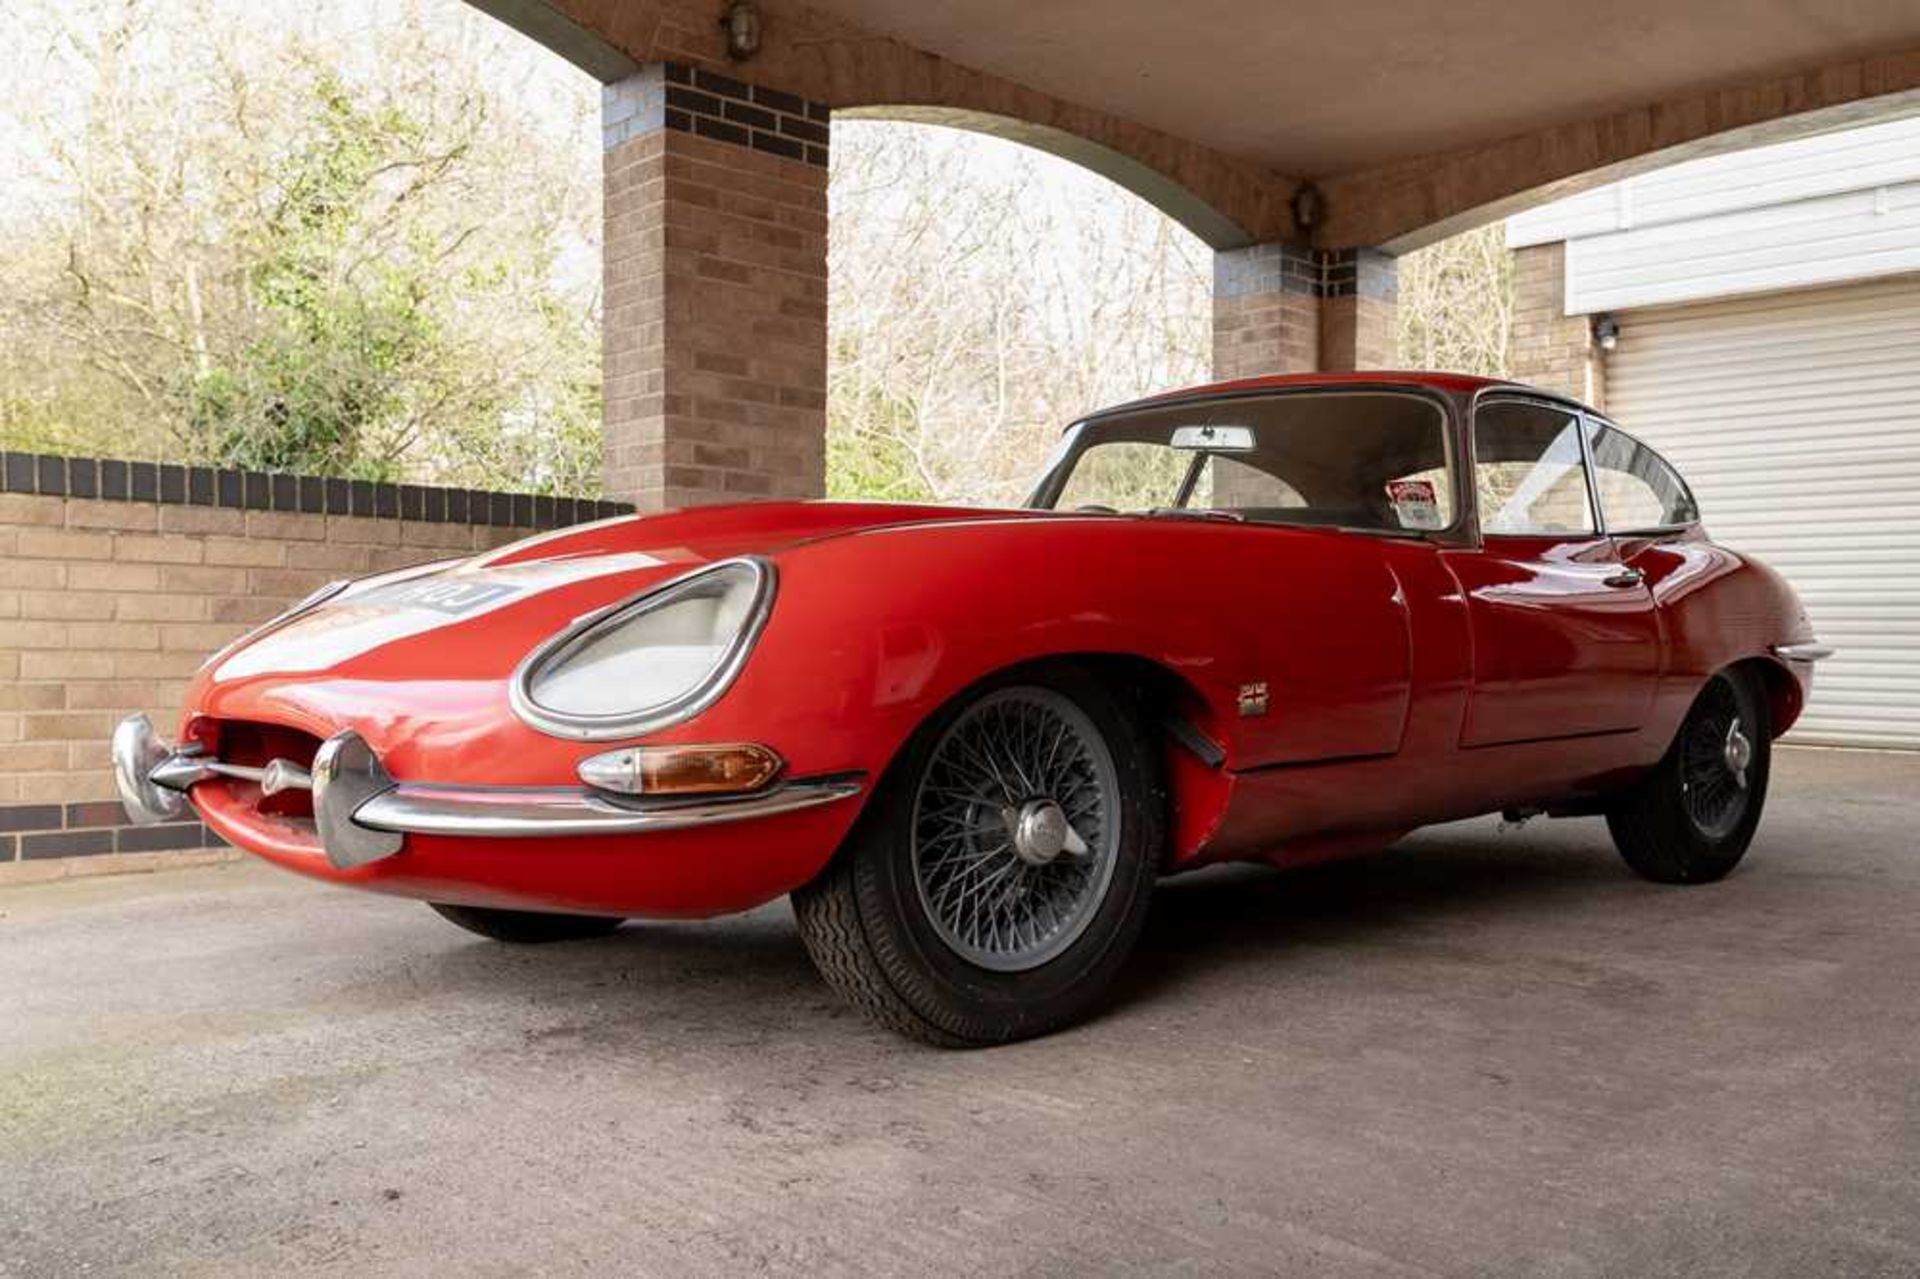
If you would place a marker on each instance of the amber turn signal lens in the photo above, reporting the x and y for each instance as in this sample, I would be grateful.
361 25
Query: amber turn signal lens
682 770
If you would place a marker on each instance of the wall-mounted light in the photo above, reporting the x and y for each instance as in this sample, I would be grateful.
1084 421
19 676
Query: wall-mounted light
1305 206
741 22
1606 332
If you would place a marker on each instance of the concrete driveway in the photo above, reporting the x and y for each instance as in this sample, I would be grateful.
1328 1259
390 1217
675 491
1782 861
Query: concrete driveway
1488 1050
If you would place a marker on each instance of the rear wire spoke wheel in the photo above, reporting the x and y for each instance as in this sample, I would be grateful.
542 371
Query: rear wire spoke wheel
1691 820
1000 875
1716 754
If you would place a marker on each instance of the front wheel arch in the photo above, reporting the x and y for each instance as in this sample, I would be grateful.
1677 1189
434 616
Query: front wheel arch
1164 701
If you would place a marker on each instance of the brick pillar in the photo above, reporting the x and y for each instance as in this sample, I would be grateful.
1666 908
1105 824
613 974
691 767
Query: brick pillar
1549 348
715 303
1359 311
1266 301
1278 309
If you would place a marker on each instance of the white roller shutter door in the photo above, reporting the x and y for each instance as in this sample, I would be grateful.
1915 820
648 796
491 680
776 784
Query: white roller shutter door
1796 419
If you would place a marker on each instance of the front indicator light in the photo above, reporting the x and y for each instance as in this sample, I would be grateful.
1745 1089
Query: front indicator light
663 771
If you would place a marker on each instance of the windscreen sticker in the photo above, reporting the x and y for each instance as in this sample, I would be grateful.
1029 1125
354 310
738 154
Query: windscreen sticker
1414 503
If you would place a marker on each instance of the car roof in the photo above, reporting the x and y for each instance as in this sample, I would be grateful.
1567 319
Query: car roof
1450 383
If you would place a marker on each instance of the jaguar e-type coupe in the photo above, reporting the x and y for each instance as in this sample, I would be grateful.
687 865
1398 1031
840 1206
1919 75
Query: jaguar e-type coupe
1285 619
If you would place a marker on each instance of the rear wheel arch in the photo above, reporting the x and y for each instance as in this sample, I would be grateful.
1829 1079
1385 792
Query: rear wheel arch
1782 691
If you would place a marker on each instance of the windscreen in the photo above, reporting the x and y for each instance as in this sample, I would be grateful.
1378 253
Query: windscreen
1368 460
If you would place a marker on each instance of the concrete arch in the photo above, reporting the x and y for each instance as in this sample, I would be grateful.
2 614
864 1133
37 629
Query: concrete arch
1403 207
1180 203
1226 201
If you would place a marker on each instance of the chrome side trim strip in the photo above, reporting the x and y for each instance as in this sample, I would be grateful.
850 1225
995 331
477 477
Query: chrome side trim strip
498 813
1808 652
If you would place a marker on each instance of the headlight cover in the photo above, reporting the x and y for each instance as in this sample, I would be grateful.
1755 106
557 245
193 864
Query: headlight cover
649 661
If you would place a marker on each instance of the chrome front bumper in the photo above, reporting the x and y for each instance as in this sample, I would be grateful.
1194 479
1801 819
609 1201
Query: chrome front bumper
362 814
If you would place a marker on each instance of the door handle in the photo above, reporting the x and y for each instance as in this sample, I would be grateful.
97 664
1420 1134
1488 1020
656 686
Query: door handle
1626 577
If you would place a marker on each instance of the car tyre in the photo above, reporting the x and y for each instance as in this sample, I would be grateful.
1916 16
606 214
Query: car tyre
881 923
526 927
1691 820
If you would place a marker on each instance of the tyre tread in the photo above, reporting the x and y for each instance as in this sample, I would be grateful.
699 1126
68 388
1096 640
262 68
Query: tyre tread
1652 831
865 963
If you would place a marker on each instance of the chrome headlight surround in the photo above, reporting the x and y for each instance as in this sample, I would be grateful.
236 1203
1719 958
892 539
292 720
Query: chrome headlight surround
681 706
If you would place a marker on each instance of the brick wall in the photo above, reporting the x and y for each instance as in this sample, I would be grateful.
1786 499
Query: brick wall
715 342
117 579
1549 348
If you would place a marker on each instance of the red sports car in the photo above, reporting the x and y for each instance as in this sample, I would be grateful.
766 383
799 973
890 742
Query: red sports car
1285 619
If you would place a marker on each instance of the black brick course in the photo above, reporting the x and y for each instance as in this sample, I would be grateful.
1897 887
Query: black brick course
71 843
115 480
153 839
720 107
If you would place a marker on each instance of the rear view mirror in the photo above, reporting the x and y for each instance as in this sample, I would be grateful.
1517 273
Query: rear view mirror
1213 439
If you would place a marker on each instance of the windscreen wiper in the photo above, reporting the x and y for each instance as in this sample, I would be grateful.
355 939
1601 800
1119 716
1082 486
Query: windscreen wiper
1196 513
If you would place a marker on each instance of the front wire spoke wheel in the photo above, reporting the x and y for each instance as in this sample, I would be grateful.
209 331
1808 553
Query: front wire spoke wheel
1015 829
996 881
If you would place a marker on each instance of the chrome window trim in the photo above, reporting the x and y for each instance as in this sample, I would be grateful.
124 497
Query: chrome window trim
1053 475
1515 394
601 728
1649 530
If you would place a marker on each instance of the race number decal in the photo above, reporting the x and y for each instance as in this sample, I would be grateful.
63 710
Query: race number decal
441 594
1414 503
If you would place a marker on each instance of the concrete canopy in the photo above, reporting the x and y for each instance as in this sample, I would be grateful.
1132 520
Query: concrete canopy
1409 119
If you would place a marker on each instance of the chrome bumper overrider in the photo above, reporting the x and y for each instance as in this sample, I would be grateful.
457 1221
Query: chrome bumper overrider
1810 651
361 813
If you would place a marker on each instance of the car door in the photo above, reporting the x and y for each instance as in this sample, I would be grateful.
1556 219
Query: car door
1566 637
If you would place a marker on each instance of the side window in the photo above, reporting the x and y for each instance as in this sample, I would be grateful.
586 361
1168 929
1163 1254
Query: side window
1638 490
1528 470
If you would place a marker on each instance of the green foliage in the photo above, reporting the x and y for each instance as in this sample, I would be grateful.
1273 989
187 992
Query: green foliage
867 453
1456 304
281 257
342 347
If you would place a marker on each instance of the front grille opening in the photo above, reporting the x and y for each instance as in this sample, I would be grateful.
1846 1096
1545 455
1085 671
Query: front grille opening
256 745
